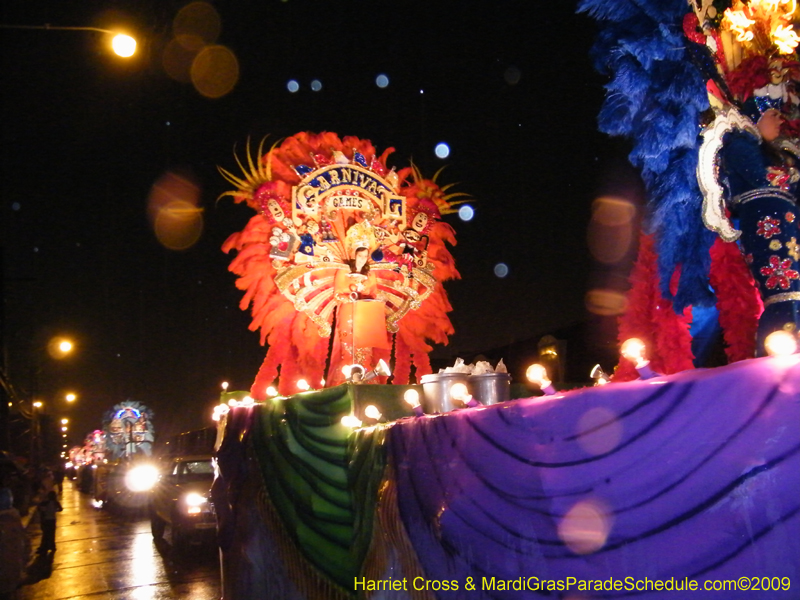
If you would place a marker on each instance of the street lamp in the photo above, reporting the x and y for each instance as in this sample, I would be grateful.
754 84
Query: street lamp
60 347
122 44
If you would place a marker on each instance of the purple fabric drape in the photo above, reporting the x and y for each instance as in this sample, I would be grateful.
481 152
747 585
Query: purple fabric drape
695 475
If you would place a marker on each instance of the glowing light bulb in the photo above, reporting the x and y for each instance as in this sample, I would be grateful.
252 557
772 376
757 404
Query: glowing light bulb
372 412
346 371
302 385
271 391
537 374
248 401
600 377
412 397
780 343
633 350
458 391
225 385
350 421
233 403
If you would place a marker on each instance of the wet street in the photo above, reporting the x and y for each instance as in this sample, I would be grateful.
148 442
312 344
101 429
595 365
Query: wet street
105 554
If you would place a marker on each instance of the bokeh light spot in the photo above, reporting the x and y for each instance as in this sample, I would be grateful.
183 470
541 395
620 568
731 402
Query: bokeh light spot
292 86
316 85
382 81
585 527
605 302
196 25
178 225
177 61
442 150
16 206
173 208
512 75
215 71
611 229
501 270
600 430
466 212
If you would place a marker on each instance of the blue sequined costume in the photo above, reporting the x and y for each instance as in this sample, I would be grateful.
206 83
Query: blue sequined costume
762 188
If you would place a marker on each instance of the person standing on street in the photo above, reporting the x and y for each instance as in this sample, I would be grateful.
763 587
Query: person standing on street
14 546
47 518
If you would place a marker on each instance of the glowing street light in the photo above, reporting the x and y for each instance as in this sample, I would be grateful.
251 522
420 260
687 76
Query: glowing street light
123 45
70 397
60 347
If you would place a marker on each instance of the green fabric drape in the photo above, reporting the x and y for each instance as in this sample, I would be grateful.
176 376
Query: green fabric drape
321 478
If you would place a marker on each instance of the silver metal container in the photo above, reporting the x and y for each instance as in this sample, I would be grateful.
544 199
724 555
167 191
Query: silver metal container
436 391
490 388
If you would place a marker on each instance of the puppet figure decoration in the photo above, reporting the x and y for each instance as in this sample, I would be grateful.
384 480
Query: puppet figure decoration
335 229
129 430
689 85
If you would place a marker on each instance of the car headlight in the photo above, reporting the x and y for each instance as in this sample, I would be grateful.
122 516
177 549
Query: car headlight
141 478
193 502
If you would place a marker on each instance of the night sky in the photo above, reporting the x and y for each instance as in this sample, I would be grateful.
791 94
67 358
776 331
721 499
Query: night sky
508 85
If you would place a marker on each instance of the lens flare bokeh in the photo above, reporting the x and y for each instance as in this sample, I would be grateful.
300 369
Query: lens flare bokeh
585 527
174 211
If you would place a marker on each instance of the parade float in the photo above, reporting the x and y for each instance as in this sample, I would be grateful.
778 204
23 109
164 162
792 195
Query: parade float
670 479
119 456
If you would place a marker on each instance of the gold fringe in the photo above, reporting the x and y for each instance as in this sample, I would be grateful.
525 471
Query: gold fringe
311 583
389 532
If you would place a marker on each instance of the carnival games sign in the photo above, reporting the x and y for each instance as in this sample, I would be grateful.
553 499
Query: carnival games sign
350 186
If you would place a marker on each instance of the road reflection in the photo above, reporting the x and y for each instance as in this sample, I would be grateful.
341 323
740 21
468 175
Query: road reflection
109 554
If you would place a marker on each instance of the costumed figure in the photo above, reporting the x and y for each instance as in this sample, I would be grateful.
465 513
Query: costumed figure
319 199
360 317
689 83
762 182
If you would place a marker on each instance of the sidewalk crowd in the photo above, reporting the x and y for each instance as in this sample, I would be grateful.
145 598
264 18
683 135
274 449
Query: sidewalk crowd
25 495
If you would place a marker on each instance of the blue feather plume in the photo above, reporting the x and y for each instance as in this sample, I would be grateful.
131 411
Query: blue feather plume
655 97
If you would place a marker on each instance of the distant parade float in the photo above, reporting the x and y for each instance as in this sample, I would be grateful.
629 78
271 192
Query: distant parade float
107 456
